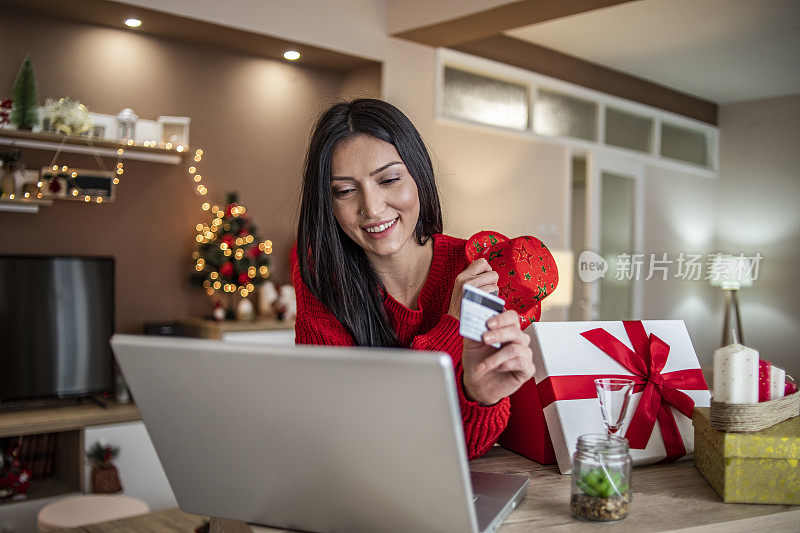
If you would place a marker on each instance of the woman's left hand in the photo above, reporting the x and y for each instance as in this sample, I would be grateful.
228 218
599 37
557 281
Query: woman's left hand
491 374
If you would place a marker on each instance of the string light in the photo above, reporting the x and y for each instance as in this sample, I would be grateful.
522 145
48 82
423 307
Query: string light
207 233
120 169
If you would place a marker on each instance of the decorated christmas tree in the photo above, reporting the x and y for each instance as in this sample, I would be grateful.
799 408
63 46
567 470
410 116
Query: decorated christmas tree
25 110
230 257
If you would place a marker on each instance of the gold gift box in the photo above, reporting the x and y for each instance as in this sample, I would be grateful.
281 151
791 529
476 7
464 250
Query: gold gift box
759 467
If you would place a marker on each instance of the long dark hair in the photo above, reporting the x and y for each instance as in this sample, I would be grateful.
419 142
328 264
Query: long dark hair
334 268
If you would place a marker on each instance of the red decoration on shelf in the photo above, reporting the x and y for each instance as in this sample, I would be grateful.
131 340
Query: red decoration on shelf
226 269
15 476
5 109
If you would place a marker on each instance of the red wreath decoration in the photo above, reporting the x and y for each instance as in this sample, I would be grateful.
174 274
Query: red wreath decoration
527 270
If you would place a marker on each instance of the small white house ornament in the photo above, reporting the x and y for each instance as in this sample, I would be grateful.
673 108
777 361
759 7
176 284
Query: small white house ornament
174 130
245 310
126 124
267 298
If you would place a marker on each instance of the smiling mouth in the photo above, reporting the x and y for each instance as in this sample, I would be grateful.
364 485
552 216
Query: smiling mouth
380 227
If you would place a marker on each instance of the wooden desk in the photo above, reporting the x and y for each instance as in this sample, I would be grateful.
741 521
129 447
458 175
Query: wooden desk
671 497
169 520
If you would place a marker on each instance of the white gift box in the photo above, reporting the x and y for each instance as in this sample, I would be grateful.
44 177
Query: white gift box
559 350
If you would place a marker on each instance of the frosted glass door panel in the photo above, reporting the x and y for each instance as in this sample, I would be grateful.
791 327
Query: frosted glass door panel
580 299
617 199
476 98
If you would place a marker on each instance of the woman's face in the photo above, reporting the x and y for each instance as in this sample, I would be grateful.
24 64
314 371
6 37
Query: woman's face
374 197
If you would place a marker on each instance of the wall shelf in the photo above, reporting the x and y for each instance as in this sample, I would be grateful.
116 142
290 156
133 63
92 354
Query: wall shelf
64 418
51 142
84 145
22 205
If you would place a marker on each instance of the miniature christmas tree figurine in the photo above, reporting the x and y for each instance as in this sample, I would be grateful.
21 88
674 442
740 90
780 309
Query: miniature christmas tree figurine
230 257
25 110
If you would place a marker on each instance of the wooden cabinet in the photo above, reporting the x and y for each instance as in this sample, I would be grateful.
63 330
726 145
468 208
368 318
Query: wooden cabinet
66 423
259 331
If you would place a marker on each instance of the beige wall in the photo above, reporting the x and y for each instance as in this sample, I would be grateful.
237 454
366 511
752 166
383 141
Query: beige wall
487 179
759 211
680 216
363 82
252 117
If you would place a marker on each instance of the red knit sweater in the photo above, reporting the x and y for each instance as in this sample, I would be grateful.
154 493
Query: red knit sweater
428 328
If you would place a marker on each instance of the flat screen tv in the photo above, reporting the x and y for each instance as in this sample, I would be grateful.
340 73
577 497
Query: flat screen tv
56 318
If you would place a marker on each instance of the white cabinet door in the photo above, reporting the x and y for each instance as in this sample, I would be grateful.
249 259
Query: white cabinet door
140 470
278 337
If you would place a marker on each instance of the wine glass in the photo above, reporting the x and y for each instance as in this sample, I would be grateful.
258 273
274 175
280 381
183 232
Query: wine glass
614 395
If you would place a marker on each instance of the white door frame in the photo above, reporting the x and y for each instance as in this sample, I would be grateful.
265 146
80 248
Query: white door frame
596 163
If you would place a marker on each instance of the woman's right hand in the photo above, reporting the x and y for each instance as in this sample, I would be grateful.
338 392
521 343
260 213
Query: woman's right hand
478 274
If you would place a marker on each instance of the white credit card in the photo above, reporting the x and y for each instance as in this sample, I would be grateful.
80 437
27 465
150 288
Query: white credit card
477 307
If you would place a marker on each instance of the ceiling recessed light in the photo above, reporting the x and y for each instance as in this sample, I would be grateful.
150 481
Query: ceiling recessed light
133 23
291 55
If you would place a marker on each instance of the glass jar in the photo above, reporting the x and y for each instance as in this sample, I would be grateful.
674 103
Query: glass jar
601 479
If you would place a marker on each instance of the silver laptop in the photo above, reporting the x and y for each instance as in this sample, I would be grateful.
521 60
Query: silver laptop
312 438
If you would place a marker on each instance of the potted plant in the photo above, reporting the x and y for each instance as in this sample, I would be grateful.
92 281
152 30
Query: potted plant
105 477
12 172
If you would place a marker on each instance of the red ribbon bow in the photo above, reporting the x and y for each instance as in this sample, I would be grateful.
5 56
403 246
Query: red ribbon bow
659 391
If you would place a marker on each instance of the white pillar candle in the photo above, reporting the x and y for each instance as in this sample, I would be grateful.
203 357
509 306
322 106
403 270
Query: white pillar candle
777 382
736 374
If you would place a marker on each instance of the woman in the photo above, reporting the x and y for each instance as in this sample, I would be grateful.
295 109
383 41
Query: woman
372 267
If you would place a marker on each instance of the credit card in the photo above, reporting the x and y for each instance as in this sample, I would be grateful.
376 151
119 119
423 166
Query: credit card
477 307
